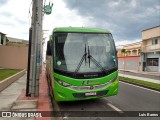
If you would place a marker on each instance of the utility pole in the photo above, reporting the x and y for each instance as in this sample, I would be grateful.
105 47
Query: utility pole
36 49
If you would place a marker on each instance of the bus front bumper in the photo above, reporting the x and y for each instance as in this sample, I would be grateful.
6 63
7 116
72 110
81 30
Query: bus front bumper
62 93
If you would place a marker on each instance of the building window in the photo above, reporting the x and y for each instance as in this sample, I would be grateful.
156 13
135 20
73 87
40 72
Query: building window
154 41
152 62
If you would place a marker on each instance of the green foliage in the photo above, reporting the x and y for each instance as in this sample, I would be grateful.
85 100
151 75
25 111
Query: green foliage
139 51
5 73
123 51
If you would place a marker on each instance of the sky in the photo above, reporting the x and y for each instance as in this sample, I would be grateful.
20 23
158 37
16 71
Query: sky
124 18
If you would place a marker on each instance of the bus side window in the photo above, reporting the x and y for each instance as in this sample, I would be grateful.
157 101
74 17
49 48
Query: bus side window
48 52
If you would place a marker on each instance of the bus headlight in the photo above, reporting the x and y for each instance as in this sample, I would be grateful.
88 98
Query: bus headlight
114 79
63 83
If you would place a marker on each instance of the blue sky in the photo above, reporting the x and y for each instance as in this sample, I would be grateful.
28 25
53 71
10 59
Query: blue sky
124 18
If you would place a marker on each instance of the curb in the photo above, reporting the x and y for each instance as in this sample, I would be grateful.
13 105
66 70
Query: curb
145 79
6 82
138 72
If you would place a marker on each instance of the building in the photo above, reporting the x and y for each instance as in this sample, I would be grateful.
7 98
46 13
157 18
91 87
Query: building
2 38
16 42
150 52
13 52
119 50
133 49
129 56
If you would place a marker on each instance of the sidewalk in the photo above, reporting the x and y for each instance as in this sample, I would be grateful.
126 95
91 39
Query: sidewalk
140 78
142 72
9 95
13 98
153 77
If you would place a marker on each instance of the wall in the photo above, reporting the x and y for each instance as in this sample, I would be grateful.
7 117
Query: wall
129 63
148 42
14 57
151 33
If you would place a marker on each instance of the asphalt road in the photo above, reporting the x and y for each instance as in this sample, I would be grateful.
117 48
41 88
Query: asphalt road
129 98
134 98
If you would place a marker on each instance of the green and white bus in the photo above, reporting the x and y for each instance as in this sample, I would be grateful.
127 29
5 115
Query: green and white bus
81 64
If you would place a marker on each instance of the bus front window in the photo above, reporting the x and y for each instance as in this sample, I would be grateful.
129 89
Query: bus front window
73 52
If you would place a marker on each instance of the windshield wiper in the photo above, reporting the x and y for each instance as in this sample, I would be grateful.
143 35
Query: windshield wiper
90 57
82 59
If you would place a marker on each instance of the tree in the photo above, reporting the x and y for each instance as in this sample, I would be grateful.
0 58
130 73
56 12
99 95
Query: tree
139 51
123 51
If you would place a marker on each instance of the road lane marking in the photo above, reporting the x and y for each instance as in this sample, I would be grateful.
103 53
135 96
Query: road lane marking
139 87
114 107
65 118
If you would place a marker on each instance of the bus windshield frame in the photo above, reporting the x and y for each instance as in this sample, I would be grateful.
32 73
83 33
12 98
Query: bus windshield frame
84 55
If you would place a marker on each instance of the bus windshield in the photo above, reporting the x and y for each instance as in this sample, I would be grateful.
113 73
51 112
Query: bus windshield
84 52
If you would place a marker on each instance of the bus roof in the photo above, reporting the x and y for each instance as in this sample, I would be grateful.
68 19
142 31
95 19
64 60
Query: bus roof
80 29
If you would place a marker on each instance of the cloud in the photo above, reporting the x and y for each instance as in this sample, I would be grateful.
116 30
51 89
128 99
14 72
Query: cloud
14 19
3 2
61 17
124 18
21 21
5 14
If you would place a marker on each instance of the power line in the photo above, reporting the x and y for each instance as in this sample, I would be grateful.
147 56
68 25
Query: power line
44 2
29 13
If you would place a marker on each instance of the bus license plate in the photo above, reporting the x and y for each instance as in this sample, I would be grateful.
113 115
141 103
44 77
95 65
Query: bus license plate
90 93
